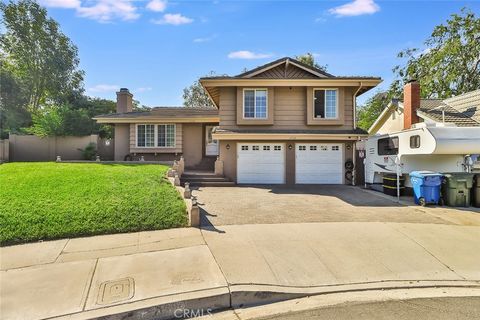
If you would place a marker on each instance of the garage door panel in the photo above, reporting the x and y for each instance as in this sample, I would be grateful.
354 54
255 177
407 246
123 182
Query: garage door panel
260 163
319 163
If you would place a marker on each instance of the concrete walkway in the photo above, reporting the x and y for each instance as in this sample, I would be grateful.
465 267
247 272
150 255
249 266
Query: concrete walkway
153 274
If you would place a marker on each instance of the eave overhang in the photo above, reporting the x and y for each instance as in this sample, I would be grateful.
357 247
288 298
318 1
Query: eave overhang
212 85
157 120
286 136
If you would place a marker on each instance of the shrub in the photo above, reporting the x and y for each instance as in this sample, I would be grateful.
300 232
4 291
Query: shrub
89 152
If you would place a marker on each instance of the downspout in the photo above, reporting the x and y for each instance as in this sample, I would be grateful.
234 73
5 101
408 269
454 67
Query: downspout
355 127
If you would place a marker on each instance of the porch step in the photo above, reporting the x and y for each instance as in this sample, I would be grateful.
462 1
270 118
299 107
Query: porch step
204 179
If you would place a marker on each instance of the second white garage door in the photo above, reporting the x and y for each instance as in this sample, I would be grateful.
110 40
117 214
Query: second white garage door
260 163
318 163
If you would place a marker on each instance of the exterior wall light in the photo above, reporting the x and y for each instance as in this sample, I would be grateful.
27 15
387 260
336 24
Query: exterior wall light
227 146
290 147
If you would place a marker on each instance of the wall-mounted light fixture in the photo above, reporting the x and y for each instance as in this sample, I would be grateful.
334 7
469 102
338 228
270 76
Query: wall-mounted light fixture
227 146
349 147
290 147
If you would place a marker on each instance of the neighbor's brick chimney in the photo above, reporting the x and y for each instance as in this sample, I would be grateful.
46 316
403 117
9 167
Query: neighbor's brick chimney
411 102
124 101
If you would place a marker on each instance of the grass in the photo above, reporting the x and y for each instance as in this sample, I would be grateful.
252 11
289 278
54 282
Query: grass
43 201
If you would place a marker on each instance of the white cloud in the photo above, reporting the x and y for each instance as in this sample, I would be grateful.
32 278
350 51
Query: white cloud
157 5
205 39
355 8
107 10
245 54
142 89
69 4
100 10
175 19
104 88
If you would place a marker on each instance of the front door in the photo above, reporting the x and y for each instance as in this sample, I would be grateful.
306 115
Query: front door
211 146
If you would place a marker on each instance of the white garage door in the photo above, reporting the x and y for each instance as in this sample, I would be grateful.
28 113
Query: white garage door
261 163
319 163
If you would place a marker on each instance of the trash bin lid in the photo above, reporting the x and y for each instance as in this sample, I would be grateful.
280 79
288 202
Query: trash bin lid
424 173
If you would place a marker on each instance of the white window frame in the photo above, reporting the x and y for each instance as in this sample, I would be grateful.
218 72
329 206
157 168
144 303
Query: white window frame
155 138
255 104
325 103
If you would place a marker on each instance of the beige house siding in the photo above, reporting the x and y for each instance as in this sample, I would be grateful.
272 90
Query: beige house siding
192 144
289 109
178 141
121 142
394 123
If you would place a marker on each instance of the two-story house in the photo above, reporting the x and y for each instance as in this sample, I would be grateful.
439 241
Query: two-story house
287 122
282 123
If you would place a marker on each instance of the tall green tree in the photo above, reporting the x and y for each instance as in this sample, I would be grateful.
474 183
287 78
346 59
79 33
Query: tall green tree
195 95
309 59
373 107
449 64
42 60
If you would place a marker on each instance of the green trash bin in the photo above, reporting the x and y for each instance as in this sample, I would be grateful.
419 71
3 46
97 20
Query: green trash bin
456 188
476 191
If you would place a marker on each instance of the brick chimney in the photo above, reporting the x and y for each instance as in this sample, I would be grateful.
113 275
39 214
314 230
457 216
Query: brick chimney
411 102
124 101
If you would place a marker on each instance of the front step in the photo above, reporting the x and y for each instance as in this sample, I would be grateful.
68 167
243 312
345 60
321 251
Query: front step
205 179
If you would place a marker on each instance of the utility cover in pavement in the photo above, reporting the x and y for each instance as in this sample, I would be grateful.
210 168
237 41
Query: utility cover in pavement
116 291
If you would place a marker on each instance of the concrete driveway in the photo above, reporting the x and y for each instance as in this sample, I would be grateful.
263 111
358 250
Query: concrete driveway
319 203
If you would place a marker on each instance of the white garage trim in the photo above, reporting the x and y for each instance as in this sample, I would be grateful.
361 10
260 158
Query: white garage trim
261 163
319 163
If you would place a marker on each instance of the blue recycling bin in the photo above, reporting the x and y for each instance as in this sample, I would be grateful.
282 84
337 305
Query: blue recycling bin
426 187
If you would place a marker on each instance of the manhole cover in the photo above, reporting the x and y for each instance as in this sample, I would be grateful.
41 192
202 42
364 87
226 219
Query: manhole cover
116 291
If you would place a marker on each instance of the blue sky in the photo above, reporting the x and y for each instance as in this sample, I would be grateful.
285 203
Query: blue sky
156 48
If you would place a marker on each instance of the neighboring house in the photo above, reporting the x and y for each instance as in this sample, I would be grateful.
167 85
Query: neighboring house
462 110
164 133
281 123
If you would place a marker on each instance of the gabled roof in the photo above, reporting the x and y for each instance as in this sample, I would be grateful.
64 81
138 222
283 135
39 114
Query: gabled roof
287 72
172 114
285 68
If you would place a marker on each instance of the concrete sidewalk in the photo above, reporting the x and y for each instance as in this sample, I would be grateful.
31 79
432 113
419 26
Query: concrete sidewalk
152 274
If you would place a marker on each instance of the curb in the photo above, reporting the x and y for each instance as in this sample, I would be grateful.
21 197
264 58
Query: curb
205 302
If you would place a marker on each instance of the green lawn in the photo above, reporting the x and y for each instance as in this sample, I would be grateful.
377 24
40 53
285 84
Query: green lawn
40 201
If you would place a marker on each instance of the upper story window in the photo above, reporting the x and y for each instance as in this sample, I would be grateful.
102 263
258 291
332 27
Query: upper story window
325 103
255 103
151 135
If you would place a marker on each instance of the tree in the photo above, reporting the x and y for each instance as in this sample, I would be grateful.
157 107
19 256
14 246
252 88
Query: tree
195 96
13 114
42 60
450 62
309 59
368 113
